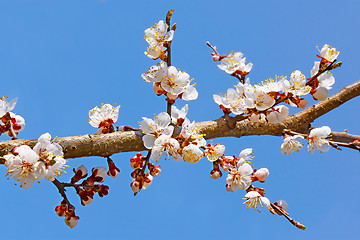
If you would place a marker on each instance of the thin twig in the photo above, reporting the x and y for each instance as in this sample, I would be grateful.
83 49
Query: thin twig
60 186
286 215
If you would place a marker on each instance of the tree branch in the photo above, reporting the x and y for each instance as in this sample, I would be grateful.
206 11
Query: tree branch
104 145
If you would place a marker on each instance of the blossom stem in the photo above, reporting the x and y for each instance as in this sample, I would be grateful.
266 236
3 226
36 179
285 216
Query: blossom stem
242 80
213 48
61 187
329 67
331 142
168 18
13 133
280 211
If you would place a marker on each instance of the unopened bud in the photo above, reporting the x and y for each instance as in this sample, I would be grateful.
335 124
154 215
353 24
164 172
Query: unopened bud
113 170
321 93
261 174
302 103
135 186
147 182
215 174
61 209
99 174
158 89
282 204
80 173
155 170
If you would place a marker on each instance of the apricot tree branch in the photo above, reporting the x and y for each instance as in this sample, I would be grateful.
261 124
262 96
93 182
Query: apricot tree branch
104 145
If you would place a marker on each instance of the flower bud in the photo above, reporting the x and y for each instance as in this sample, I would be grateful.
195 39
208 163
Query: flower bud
302 103
321 93
282 204
228 188
154 170
158 89
137 161
215 174
99 174
135 186
80 173
261 174
147 181
71 220
192 153
61 209
102 190
113 170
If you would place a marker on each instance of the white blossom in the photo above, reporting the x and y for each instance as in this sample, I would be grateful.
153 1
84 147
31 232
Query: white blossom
253 199
178 116
23 167
154 129
213 152
235 64
298 85
6 106
260 96
192 153
239 178
103 117
329 53
317 139
157 36
278 114
290 144
245 156
165 143
234 101
172 81
50 157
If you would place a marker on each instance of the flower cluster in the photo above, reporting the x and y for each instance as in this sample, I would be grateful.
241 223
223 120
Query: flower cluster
158 137
171 82
10 123
142 180
28 165
87 189
166 79
241 175
158 38
104 117
259 102
317 140
63 210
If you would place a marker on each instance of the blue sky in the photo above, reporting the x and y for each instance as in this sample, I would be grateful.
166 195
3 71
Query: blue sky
62 58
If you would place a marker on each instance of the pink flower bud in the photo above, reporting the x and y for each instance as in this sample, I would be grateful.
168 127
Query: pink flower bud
113 170
158 89
282 204
228 188
71 220
155 171
147 181
99 174
302 103
80 173
261 174
135 186
61 209
215 174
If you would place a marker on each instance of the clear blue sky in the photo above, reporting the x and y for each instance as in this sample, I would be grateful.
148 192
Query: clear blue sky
62 58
